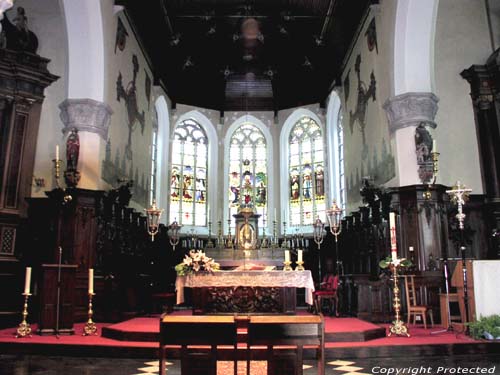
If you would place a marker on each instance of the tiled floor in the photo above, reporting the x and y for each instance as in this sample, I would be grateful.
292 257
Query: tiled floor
52 365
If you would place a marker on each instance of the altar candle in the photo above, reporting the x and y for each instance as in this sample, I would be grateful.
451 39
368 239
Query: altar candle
57 152
434 146
392 228
299 256
287 256
27 281
91 280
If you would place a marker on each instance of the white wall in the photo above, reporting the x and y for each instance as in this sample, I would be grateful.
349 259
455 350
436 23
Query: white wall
50 40
462 39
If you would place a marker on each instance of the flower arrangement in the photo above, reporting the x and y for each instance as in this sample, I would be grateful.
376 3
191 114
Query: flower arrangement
400 262
196 261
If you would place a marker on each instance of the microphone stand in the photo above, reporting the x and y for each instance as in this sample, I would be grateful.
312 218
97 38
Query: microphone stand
447 288
58 301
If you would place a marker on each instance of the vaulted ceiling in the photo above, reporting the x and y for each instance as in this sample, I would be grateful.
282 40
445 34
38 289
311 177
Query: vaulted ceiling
247 54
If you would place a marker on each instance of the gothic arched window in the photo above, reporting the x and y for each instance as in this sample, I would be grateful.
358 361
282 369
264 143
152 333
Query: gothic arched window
248 175
188 176
306 170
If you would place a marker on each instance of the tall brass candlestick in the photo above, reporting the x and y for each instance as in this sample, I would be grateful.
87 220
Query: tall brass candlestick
210 244
57 170
274 243
90 327
24 328
398 326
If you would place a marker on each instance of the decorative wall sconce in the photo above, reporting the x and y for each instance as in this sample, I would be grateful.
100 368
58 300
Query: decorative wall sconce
173 233
153 215
334 216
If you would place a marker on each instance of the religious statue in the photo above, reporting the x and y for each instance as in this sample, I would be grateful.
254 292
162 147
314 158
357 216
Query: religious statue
72 150
71 175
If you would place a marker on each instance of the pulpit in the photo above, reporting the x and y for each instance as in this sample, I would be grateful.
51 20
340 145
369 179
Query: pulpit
57 305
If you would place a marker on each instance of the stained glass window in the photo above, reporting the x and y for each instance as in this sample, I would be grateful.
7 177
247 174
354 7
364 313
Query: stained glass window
188 176
248 178
341 172
306 165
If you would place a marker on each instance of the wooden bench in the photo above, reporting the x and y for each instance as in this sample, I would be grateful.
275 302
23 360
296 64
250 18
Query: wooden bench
284 330
198 337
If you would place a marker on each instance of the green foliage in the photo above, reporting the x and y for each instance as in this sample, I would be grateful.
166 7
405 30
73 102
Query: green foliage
384 263
486 324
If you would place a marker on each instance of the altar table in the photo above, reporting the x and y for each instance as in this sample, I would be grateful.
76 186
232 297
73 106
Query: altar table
246 289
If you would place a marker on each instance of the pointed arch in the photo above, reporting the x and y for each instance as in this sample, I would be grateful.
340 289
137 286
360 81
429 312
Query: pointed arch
288 125
245 119
334 137
212 163
163 148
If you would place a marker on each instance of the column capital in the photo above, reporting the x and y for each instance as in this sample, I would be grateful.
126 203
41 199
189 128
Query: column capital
410 109
86 115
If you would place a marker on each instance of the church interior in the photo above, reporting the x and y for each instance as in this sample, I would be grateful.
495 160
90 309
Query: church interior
194 183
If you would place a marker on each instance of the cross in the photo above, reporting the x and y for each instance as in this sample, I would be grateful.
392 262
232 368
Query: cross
459 194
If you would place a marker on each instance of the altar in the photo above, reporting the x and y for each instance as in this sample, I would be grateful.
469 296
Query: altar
246 292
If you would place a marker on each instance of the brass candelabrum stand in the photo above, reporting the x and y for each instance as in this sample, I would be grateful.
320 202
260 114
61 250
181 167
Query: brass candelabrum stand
274 243
90 327
435 158
397 327
287 266
210 243
229 238
24 328
220 237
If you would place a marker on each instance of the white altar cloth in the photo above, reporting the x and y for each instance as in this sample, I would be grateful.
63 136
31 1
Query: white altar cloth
294 279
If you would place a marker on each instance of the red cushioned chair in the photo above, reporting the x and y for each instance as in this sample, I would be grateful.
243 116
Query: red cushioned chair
327 292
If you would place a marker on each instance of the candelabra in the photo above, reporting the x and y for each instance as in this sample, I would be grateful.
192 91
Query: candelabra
90 327
284 244
264 243
397 327
435 158
173 233
334 215
210 244
459 194
66 198
274 242
319 235
220 237
287 266
24 328
229 237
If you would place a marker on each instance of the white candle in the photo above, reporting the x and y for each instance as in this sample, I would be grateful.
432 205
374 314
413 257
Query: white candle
57 152
392 229
299 256
434 146
27 281
287 255
91 280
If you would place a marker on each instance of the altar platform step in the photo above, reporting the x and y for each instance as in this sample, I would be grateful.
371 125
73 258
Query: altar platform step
422 343
336 330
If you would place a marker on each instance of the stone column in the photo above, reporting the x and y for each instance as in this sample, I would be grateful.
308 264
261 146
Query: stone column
91 118
405 112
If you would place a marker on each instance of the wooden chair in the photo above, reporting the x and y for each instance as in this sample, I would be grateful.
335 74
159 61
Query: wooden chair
411 302
198 337
284 337
328 292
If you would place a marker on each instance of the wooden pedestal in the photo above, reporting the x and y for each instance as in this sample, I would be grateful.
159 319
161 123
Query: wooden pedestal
50 322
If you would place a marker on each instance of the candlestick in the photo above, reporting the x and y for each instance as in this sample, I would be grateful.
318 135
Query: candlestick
90 327
300 266
91 280
398 326
24 328
27 281
392 228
